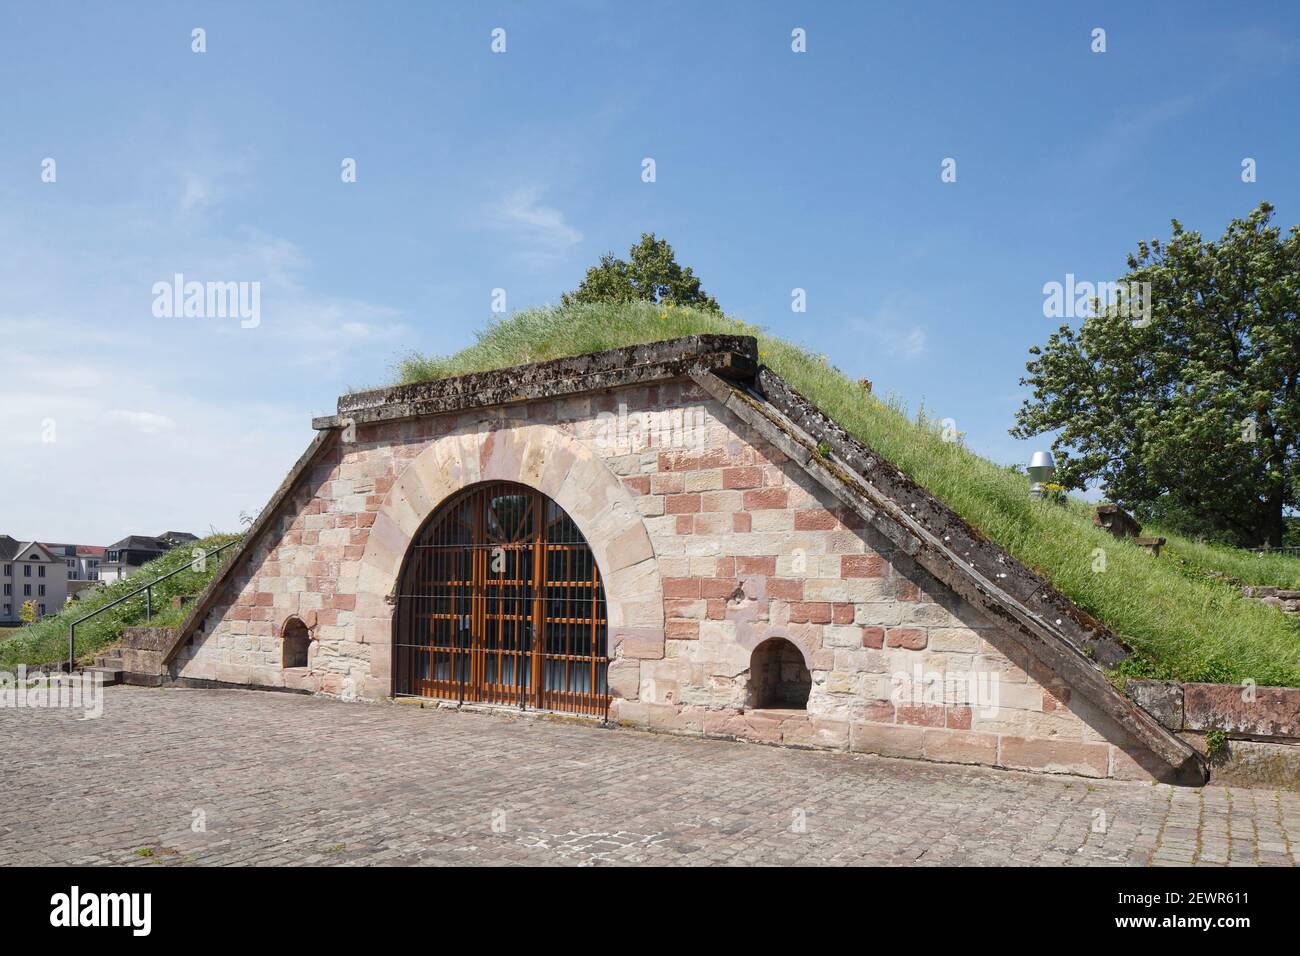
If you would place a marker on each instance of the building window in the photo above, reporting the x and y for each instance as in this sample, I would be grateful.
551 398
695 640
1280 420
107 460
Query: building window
9 570
9 589
27 590
40 572
9 610
42 610
40 590
27 570
778 678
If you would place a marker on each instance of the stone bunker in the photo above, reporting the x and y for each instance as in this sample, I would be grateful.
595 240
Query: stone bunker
669 537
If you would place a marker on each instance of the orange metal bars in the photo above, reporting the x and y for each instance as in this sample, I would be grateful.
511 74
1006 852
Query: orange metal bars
500 602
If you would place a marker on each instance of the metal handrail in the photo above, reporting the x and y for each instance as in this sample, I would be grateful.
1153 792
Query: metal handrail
148 600
1289 550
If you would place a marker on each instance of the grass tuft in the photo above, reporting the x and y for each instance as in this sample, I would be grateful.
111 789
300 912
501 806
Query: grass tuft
1181 613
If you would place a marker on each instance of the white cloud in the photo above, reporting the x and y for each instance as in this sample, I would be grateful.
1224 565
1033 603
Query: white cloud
198 193
149 423
541 231
121 422
892 332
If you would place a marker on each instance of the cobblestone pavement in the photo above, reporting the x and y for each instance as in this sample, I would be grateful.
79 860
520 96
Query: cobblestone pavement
284 779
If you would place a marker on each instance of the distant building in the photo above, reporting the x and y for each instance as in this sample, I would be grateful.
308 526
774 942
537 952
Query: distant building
30 571
126 556
83 561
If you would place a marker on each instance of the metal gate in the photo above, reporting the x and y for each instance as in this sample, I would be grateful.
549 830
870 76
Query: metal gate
500 602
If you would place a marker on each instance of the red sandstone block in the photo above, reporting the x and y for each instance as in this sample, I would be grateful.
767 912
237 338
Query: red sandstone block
667 484
922 715
722 588
862 566
1055 697
681 504
683 608
1265 711
725 568
1132 761
720 501
742 521
961 746
354 552
343 602
957 718
748 477
264 599
842 614
693 461
810 612
905 590
711 524
685 524
756 565
1055 756
638 484
815 520
681 587
888 740
766 499
911 638
717 610
785 589
873 637
682 630
876 711
365 520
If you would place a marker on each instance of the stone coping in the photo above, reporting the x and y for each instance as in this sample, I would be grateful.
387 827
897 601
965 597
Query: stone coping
731 356
1272 712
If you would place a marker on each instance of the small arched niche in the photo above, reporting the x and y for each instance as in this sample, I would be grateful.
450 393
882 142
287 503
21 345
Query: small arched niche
295 643
778 678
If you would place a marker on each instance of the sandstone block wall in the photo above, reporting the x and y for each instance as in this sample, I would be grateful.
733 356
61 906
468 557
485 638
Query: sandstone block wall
710 542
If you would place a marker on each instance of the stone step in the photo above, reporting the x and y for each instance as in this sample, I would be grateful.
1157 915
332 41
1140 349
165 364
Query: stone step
110 662
111 675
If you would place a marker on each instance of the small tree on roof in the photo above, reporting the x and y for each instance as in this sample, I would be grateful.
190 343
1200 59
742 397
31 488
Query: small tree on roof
651 274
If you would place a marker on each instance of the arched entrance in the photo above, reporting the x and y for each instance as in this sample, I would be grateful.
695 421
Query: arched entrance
500 601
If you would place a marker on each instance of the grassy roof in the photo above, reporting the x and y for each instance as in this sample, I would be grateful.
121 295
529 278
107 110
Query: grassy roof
1180 613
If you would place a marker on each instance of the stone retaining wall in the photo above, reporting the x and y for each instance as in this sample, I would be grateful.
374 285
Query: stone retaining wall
1260 726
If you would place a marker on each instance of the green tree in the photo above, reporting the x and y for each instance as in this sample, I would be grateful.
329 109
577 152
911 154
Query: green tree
650 274
1192 409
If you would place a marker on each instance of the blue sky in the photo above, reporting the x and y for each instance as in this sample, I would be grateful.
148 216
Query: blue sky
477 170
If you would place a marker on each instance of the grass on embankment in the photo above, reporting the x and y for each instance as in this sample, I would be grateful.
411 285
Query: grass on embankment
1182 623
46 640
